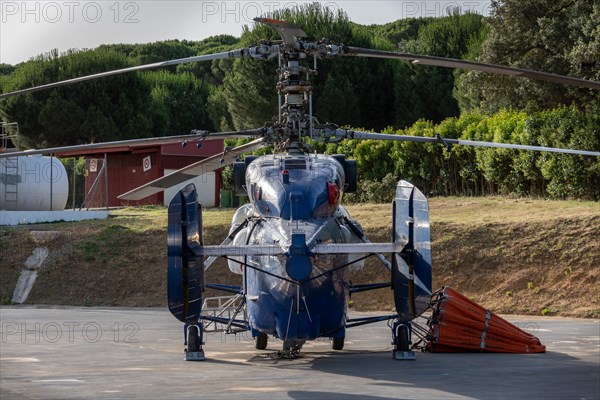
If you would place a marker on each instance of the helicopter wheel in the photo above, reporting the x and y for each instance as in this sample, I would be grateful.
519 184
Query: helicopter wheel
261 341
337 343
192 339
402 341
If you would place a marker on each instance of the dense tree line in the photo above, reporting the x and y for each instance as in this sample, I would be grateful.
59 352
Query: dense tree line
382 95
236 94
559 36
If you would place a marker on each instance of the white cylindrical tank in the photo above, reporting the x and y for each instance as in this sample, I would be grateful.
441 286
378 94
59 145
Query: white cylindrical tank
33 183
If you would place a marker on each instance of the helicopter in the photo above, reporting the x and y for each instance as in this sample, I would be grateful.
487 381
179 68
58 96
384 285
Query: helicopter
295 244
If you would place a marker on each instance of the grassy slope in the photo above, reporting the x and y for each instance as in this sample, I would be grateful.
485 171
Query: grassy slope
513 256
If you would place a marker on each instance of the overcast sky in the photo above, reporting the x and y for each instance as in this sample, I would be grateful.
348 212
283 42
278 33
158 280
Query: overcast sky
29 28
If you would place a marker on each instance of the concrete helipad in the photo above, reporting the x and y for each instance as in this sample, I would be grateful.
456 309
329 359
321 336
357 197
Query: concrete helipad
77 353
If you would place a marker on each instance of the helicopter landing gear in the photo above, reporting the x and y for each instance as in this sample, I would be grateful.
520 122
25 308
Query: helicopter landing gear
337 343
401 341
261 341
293 345
291 348
193 341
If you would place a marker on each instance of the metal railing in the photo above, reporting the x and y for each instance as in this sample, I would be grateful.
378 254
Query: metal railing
222 307
9 167
9 134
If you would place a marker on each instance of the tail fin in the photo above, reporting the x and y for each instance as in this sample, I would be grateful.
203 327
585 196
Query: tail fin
411 268
185 268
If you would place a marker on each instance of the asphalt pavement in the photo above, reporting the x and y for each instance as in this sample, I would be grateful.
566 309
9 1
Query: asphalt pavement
118 353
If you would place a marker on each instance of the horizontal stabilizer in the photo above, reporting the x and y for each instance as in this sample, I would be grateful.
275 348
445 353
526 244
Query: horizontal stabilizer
235 251
273 250
358 248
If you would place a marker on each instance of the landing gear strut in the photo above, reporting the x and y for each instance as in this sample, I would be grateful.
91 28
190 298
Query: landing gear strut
401 333
193 342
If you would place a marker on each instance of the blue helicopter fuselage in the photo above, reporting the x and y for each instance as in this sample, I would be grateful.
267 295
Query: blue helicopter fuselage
294 203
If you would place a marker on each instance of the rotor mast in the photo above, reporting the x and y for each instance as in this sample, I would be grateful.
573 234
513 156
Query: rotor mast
295 93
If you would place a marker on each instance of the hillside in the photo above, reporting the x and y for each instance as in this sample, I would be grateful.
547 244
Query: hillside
511 255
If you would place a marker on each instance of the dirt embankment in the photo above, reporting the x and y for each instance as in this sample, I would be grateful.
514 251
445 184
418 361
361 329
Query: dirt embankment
512 256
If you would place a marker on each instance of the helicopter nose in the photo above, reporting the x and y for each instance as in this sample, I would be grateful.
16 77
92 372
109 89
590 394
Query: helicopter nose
298 265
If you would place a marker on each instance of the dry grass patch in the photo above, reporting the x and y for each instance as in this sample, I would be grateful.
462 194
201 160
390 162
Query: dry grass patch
511 255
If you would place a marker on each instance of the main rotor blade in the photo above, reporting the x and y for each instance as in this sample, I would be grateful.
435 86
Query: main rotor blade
348 134
472 65
191 171
207 57
89 148
288 31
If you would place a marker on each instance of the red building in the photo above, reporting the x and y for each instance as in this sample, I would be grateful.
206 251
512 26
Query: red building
132 166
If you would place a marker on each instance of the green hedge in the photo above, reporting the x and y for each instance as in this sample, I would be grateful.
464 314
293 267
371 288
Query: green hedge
474 171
